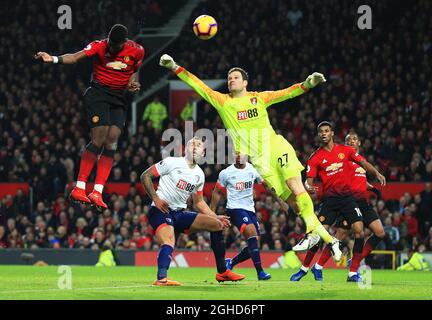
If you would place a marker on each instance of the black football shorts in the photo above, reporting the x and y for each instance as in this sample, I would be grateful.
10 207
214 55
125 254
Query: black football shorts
104 108
333 207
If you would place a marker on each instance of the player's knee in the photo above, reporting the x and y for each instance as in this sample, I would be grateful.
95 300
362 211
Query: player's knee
380 233
98 141
341 234
110 146
358 234
250 231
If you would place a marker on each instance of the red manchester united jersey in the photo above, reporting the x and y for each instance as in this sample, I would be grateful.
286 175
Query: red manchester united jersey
359 180
334 169
114 71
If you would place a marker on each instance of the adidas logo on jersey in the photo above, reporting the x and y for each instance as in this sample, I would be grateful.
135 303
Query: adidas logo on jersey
324 161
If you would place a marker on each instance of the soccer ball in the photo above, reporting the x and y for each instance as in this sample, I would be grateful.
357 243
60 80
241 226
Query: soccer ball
205 27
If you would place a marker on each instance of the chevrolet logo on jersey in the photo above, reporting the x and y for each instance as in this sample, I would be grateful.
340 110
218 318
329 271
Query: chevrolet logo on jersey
360 170
334 167
117 65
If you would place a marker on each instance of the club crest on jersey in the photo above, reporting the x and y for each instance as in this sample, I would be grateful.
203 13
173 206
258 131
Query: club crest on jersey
117 65
168 220
253 101
126 59
245 219
197 178
341 156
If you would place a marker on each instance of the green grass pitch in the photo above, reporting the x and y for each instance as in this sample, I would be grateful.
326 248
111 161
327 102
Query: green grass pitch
41 283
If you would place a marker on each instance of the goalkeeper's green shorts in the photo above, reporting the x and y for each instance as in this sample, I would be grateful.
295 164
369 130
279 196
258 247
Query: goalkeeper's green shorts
279 165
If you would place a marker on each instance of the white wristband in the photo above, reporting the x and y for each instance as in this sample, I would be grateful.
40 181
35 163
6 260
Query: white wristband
55 59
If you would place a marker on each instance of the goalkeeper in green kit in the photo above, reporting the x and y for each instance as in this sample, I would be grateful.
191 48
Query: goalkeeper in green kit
244 114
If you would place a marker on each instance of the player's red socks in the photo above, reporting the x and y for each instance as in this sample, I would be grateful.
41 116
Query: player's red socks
325 255
88 159
104 166
309 256
357 254
370 244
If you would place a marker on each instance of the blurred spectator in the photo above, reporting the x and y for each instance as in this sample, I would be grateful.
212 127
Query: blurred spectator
156 112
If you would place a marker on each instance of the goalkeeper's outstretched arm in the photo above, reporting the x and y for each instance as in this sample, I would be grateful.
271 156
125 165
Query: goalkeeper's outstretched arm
216 99
69 58
272 97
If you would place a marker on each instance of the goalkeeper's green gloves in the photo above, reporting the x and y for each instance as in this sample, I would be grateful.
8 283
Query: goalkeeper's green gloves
313 80
168 62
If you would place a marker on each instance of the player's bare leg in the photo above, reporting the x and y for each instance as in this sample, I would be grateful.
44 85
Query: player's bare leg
205 222
104 165
88 159
166 239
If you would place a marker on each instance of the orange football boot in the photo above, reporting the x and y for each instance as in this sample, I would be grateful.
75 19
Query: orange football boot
165 282
228 275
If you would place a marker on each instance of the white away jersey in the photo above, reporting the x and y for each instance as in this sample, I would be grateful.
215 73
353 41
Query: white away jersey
239 184
178 181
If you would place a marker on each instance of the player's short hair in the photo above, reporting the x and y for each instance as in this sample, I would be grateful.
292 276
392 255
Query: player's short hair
118 33
195 138
243 72
325 123
352 133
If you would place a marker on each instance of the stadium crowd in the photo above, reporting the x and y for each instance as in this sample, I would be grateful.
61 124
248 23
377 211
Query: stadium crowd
380 87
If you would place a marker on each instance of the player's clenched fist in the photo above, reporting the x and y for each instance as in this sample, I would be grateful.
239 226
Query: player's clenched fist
162 205
225 221
314 79
168 62
45 57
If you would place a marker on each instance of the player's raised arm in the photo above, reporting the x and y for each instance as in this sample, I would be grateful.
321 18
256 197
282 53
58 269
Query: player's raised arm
69 58
272 97
147 182
216 99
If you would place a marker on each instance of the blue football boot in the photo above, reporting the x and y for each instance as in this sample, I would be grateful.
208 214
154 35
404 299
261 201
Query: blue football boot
355 278
262 275
298 275
317 273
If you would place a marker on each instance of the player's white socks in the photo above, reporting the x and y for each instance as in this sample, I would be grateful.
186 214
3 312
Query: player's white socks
305 269
81 185
99 187
318 267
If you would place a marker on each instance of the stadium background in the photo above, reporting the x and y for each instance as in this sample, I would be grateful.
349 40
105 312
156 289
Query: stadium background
379 84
